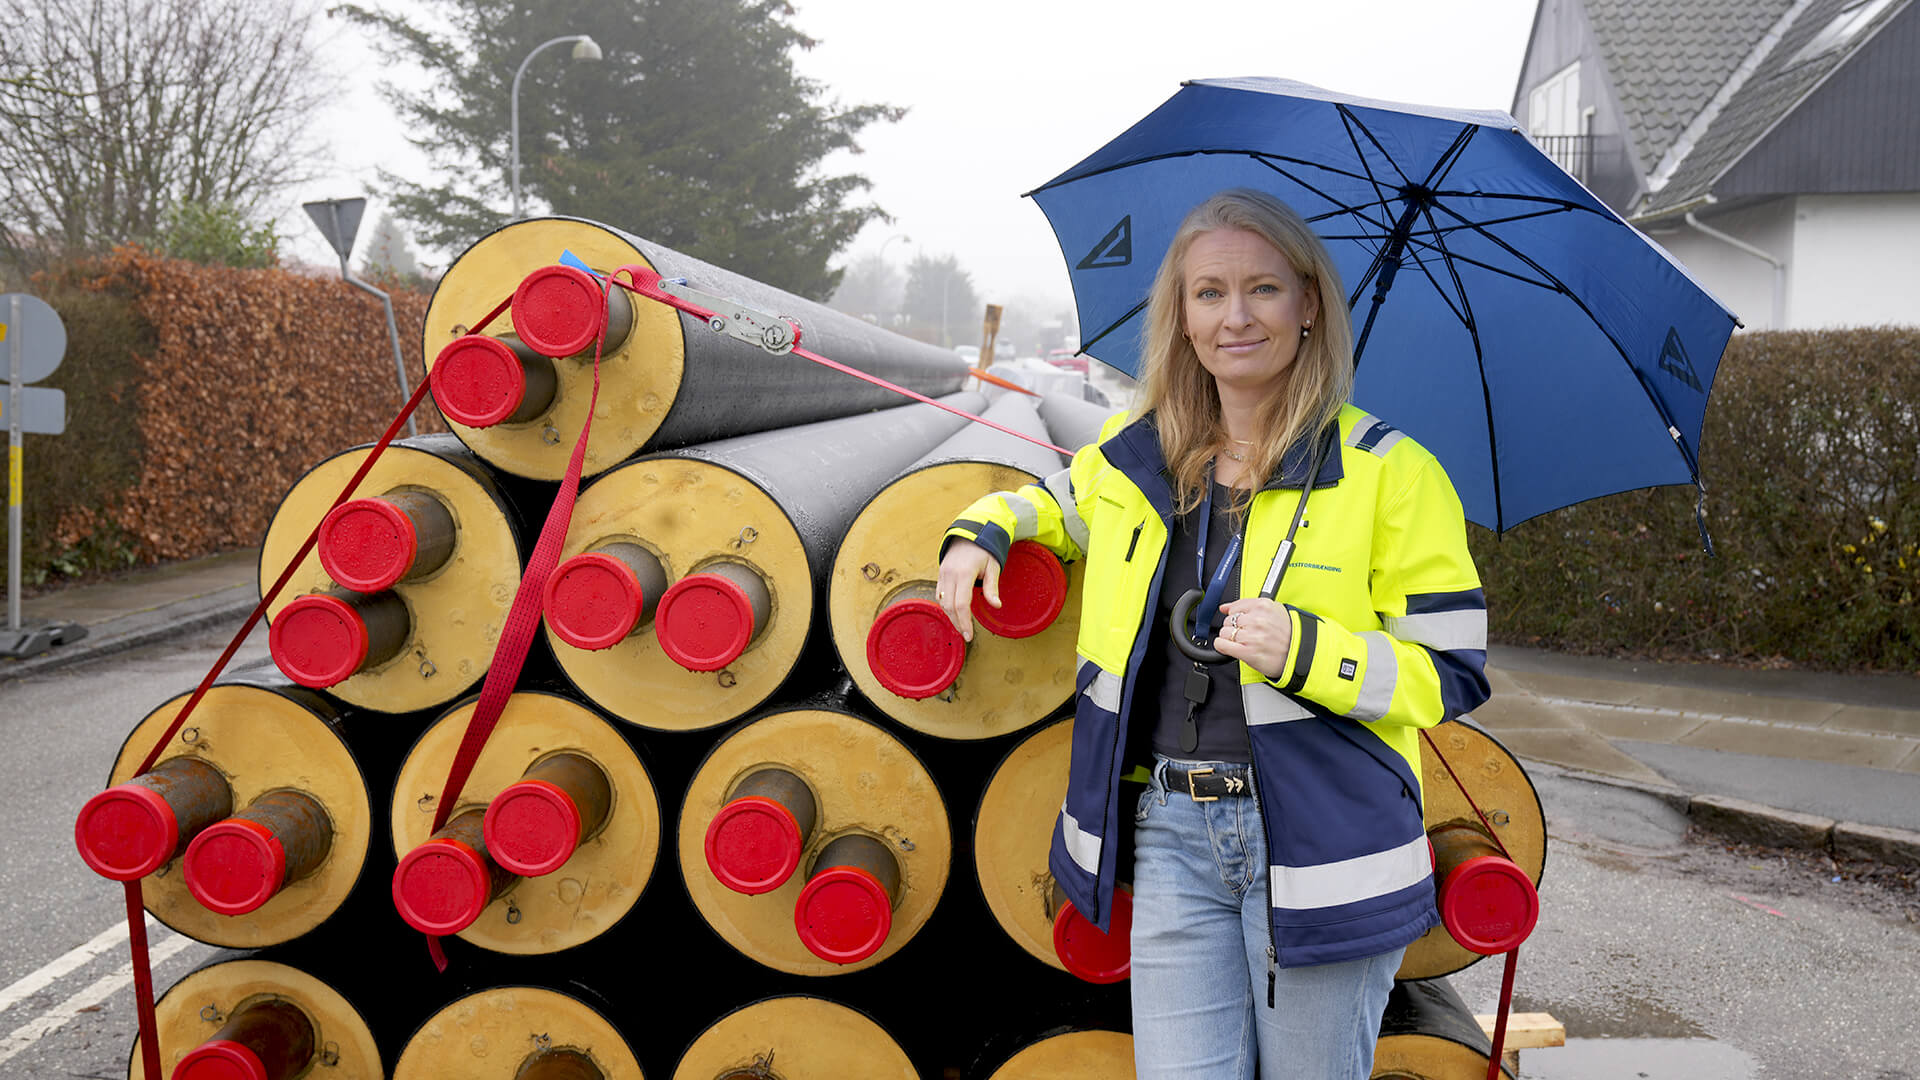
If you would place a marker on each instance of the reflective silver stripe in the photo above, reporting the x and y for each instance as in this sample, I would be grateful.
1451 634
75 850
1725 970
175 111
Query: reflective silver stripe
1361 427
1104 690
1267 705
1082 846
1386 442
1060 485
1026 517
1443 630
1383 671
1302 888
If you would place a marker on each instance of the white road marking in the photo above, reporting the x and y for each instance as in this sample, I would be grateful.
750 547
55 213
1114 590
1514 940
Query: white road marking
103 988
65 965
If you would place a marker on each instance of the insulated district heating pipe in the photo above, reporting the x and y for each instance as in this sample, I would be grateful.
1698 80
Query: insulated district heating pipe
404 596
517 1033
796 1036
257 1018
550 842
742 532
1428 1033
1075 422
814 842
1071 1055
286 851
518 394
893 638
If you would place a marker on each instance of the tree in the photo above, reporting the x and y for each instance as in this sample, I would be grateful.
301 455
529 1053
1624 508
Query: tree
117 111
940 296
870 288
387 254
217 235
694 131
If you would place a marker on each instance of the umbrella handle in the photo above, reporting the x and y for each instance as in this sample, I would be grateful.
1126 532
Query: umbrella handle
1178 625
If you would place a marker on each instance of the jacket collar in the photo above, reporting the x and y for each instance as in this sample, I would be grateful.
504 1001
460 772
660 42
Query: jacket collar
1135 451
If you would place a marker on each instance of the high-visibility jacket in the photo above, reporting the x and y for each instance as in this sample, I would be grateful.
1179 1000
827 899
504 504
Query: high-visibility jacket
1389 636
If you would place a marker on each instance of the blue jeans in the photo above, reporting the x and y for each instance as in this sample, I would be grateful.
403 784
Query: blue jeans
1200 948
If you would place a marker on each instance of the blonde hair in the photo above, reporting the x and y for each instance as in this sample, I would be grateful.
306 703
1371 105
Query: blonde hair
1182 395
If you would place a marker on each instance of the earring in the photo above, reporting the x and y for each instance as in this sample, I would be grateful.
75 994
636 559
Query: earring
1304 327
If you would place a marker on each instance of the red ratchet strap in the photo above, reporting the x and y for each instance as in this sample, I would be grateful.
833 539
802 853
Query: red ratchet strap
1004 384
1513 955
136 904
646 282
523 621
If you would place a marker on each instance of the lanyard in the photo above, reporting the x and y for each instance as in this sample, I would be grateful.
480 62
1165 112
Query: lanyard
1209 608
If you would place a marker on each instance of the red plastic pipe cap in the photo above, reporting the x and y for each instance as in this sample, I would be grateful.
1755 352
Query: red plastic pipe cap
1033 590
234 866
914 650
477 381
593 601
753 845
318 640
843 915
532 828
1489 905
441 887
1089 954
126 832
704 622
367 544
558 310
221 1059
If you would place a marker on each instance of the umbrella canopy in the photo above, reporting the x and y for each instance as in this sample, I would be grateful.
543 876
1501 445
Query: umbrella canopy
1543 349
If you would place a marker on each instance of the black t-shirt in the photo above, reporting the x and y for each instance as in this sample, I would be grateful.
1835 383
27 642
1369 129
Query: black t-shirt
1163 676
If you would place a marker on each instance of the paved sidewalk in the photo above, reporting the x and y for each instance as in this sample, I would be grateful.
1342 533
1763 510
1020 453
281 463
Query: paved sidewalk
1776 756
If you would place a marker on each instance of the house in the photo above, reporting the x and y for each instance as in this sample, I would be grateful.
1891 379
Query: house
1772 146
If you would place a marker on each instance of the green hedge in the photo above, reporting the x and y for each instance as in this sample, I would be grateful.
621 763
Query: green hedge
1811 456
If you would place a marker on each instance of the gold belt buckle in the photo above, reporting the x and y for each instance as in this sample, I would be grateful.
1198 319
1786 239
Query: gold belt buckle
1196 796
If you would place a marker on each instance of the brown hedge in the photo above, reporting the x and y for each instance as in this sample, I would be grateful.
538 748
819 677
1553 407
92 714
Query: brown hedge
1811 456
196 396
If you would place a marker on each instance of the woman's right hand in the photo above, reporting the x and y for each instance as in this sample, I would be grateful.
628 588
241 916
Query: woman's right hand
965 563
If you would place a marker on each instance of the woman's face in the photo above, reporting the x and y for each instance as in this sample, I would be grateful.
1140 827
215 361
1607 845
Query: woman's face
1243 310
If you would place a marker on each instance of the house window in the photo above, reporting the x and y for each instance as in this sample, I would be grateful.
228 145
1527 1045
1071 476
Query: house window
1558 124
1841 29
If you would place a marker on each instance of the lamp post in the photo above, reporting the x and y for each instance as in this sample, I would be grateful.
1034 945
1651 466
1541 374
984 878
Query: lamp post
584 48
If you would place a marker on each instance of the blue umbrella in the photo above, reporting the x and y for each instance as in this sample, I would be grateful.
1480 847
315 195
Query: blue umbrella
1545 351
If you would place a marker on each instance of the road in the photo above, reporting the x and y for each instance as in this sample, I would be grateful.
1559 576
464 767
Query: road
1665 956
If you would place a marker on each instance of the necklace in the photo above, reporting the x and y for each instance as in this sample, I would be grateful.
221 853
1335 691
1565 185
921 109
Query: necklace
1237 457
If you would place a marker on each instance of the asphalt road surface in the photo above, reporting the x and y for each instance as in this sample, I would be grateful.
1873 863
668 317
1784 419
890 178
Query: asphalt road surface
1665 956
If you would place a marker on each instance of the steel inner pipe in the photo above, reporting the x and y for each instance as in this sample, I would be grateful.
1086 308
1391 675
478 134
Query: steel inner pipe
845 910
287 1021
602 596
727 520
446 620
560 806
270 1040
669 381
892 637
291 858
1487 903
1428 1033
132 829
480 381
754 843
375 543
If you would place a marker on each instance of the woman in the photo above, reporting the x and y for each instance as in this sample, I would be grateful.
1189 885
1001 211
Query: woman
1280 866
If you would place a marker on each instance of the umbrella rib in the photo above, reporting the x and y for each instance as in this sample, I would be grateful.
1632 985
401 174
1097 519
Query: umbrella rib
1351 121
1440 230
1659 406
1112 326
1341 208
1486 394
1257 155
1465 318
1563 204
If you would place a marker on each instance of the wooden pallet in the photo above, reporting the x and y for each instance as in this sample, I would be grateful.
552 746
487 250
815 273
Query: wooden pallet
1525 1031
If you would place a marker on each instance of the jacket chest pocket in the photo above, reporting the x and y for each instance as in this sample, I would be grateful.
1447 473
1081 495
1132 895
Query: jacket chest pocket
1123 549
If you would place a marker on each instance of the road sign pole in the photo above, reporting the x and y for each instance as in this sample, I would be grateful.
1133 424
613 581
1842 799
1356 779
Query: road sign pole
16 451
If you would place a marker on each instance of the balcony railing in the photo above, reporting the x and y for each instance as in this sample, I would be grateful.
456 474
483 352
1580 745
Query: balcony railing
1574 153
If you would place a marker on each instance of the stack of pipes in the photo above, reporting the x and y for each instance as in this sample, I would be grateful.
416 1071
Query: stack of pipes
752 808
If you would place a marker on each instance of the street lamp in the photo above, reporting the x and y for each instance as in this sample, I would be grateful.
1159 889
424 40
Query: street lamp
882 256
584 48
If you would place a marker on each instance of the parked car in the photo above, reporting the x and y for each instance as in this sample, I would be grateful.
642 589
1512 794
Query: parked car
1065 360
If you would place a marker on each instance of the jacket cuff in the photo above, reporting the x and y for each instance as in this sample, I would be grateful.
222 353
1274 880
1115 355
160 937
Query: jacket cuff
986 534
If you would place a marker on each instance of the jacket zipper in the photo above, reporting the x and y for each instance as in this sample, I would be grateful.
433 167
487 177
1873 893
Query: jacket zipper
1135 542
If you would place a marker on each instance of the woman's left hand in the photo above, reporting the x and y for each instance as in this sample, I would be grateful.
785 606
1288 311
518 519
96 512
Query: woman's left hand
1257 633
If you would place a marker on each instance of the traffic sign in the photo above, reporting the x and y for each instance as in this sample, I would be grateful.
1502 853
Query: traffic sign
339 222
37 328
43 410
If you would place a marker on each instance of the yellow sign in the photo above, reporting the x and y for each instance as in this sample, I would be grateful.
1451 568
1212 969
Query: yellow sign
15 454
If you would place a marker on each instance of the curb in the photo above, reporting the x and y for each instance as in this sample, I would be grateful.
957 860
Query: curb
229 605
1753 823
